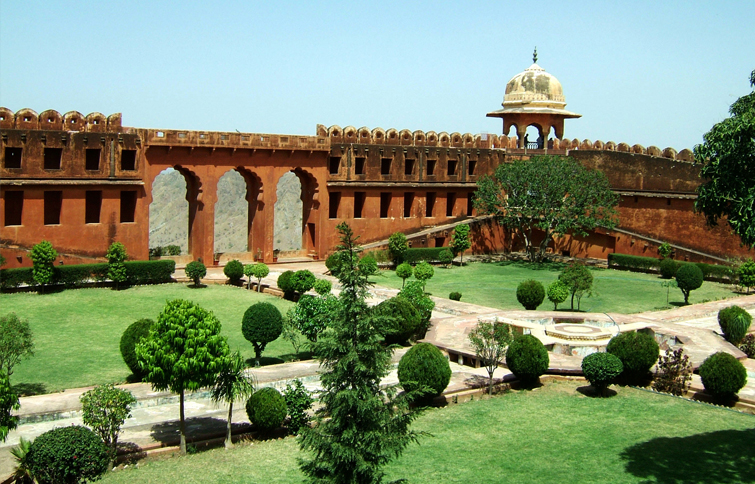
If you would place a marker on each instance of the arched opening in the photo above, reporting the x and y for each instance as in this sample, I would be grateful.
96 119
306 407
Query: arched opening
534 137
169 211
289 220
232 214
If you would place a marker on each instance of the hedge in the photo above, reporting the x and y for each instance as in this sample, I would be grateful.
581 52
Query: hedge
429 254
137 272
711 272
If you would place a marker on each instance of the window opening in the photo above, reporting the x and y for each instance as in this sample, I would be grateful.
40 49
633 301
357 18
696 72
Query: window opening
451 167
53 204
385 166
408 203
13 157
93 206
359 165
359 198
450 202
430 167
128 206
52 158
430 204
93 159
409 167
14 207
385 204
128 160
335 202
472 166
470 204
335 163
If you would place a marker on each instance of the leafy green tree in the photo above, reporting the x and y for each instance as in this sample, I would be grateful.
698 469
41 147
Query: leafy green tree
404 271
231 384
298 402
43 257
490 341
460 241
665 250
746 274
104 408
312 314
323 287
184 352
8 403
195 271
414 292
260 271
688 278
578 279
116 269
548 195
446 257
423 272
728 158
361 425
368 265
262 323
397 246
558 292
16 342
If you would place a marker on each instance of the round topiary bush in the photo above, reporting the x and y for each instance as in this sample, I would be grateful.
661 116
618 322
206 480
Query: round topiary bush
446 257
234 270
131 337
368 265
262 323
302 281
333 263
558 292
638 353
455 296
668 268
266 409
195 271
67 455
406 319
285 282
323 286
600 369
734 322
424 366
688 278
723 375
527 359
423 271
530 294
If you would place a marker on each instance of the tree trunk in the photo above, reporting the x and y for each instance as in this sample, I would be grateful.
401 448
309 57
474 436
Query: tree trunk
572 301
259 285
182 424
490 383
228 441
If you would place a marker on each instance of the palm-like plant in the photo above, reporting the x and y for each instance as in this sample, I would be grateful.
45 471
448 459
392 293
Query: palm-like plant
22 474
232 384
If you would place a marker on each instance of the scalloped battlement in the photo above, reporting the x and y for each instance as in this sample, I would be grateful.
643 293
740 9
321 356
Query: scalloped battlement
52 120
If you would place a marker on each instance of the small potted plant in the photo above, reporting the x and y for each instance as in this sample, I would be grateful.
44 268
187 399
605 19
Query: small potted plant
216 258
276 252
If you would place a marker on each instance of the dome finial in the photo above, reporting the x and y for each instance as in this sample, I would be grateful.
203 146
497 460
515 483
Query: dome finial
534 56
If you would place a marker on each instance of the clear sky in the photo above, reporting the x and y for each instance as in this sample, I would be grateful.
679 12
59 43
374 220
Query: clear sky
652 72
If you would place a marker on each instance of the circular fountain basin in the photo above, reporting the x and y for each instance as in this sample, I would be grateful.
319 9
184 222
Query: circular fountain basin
577 332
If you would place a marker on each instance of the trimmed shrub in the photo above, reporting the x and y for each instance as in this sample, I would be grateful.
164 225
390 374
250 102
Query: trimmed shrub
530 294
286 283
688 278
397 246
633 262
16 277
404 271
722 375
43 256
668 268
298 401
414 292
446 257
367 265
149 271
674 373
455 296
312 314
734 322
748 345
78 274
266 409
333 263
424 271
234 271
746 273
558 292
638 353
425 369
665 250
172 249
195 271
67 455
262 323
130 338
259 271
419 254
527 359
403 319
323 286
302 281
600 369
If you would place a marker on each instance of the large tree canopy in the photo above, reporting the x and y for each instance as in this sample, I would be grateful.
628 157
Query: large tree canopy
552 195
728 155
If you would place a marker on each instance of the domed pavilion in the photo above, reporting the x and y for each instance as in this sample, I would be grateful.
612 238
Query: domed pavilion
534 98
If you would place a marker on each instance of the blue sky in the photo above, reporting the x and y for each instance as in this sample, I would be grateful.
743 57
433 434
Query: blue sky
654 73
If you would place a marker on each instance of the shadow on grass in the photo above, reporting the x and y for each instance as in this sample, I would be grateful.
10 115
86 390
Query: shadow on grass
678 304
134 378
197 428
264 361
590 391
300 356
197 286
718 457
534 266
29 389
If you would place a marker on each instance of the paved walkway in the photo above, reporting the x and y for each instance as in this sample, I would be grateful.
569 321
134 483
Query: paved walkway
154 418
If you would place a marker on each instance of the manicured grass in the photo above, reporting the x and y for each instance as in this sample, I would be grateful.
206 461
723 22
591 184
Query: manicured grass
553 434
77 332
494 285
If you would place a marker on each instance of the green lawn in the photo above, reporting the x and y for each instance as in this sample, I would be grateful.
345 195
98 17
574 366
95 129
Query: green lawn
494 285
553 434
77 332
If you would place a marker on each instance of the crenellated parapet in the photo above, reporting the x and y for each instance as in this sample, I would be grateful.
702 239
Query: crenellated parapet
51 120
574 144
405 137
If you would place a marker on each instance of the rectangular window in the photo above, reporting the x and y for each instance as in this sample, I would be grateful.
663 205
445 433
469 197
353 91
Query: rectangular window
472 166
359 198
53 204
14 206
359 165
408 202
451 167
93 206
409 167
430 167
335 163
93 159
128 206
450 202
13 157
429 204
52 158
385 204
385 166
128 160
335 201
470 204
